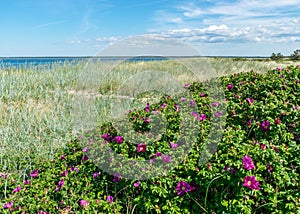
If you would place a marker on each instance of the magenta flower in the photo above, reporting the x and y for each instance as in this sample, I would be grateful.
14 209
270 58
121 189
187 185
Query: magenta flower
262 146
27 182
166 159
230 86
215 104
158 154
249 100
83 203
95 174
249 123
8 205
105 136
34 173
183 99
265 125
251 182
163 105
276 149
182 187
202 94
202 117
152 159
141 147
279 69
110 199
16 189
60 185
116 177
147 120
136 184
64 173
277 121
147 108
219 114
3 176
192 103
84 149
248 163
177 107
194 114
187 85
42 212
85 158
73 168
119 139
173 145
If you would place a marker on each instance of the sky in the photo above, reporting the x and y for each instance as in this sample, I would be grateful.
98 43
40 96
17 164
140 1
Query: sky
86 27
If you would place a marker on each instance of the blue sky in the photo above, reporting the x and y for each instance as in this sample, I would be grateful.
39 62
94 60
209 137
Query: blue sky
84 27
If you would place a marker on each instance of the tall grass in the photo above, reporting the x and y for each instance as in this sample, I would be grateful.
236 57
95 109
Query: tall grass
36 103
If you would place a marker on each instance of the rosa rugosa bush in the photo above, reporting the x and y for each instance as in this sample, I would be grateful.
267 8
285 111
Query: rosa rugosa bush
256 168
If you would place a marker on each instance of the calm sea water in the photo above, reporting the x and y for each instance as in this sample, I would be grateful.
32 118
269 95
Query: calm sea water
21 62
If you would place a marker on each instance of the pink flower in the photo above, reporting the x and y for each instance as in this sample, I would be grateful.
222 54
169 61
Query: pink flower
95 174
215 104
265 125
110 199
116 177
187 85
85 158
248 163
249 123
83 203
219 114
166 159
64 173
3 176
251 182
147 120
84 149
173 145
194 114
192 103
183 99
202 117
27 182
182 187
249 100
163 105
262 146
136 184
230 86
8 205
141 147
60 185
16 189
119 139
202 94
34 173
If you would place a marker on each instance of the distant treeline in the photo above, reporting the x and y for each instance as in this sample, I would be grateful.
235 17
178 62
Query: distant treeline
293 56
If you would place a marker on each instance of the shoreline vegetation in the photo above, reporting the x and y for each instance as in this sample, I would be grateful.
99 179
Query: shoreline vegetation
37 127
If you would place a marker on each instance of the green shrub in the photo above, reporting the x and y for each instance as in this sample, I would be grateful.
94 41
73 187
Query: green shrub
255 169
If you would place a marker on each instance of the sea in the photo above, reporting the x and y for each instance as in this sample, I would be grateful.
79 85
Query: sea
23 62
